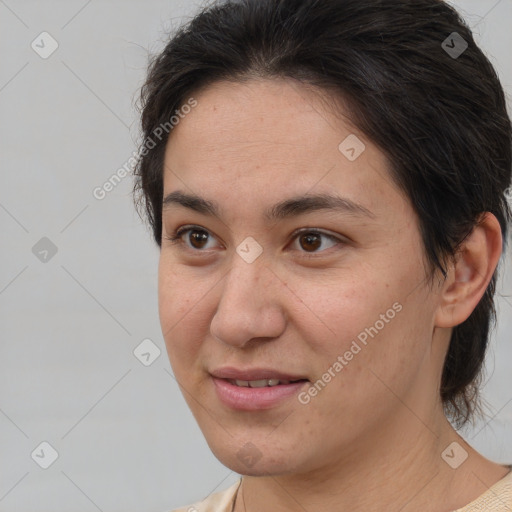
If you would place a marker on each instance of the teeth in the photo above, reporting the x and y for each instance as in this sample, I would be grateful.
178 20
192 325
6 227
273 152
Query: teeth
259 383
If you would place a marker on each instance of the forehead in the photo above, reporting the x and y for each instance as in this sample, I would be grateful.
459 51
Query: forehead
261 138
258 113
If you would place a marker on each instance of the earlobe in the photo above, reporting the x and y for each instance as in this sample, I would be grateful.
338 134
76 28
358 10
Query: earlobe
470 273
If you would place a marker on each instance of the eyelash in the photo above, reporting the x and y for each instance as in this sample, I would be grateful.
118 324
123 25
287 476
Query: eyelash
176 238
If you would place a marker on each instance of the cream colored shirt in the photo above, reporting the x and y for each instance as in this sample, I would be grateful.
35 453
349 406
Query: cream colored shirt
497 498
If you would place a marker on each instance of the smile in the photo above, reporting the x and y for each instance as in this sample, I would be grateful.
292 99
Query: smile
256 395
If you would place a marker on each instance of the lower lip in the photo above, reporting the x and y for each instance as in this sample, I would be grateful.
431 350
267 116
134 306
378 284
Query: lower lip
254 399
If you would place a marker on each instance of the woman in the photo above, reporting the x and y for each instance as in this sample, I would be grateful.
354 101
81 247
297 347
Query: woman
326 181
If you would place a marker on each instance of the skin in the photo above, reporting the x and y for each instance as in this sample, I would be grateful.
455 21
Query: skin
372 438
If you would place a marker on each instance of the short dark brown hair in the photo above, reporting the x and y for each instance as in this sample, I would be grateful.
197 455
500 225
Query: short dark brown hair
440 118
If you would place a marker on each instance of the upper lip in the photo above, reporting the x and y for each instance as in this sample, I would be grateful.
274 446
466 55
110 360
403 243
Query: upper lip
247 374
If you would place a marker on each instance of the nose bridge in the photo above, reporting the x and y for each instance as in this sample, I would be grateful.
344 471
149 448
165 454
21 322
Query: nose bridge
249 305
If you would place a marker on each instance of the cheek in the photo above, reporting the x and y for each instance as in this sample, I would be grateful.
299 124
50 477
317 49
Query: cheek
179 306
365 328
338 309
376 376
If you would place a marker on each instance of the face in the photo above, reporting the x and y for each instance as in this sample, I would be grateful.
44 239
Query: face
330 295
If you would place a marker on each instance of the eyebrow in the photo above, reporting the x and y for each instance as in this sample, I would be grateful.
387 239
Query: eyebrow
291 207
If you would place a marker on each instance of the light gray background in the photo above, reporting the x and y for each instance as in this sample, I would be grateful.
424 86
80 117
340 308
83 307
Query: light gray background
125 438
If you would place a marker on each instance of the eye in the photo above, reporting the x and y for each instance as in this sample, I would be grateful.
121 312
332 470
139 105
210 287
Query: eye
311 240
199 237
308 238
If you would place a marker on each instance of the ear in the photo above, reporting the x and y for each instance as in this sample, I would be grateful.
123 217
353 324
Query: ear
469 275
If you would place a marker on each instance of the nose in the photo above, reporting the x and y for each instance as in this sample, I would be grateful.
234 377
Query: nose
250 306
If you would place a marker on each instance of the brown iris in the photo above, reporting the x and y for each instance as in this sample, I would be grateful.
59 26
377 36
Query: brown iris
197 235
311 239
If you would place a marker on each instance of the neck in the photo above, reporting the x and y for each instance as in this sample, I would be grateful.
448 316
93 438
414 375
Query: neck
393 469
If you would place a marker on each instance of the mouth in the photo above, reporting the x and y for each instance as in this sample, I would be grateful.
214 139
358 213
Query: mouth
256 375
262 383
255 389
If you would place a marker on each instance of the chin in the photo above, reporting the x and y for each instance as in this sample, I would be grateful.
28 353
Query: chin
260 468
249 460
